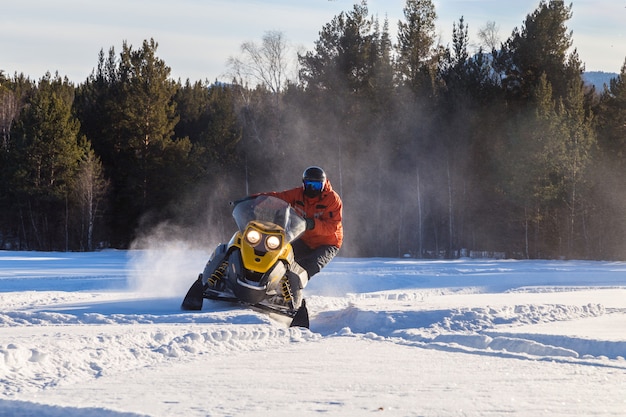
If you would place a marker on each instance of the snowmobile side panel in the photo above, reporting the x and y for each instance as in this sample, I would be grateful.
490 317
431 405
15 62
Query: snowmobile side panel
217 257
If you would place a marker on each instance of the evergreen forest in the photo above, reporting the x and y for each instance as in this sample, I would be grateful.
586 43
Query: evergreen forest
436 150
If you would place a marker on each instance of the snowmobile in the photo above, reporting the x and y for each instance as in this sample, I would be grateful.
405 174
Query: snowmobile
257 267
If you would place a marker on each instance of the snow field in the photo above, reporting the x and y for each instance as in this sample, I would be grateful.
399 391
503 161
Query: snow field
399 337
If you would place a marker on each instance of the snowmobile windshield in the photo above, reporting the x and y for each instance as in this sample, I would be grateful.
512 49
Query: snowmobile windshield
270 209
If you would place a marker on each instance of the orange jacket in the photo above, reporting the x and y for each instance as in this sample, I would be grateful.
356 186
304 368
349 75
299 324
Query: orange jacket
326 209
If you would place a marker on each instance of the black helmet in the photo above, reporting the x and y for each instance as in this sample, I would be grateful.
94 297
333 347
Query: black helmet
314 174
313 180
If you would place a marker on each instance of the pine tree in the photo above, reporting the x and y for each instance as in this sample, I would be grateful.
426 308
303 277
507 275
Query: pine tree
47 153
456 115
14 94
96 107
130 113
350 90
208 119
342 60
578 141
612 120
541 47
338 77
609 187
417 54
147 116
522 170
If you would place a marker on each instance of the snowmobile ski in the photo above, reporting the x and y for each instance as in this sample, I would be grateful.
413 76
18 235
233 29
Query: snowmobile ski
195 296
298 318
194 299
301 319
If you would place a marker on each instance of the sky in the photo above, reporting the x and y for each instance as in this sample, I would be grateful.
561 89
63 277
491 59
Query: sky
196 37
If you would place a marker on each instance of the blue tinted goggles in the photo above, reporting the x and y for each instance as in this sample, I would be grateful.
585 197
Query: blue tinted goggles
313 185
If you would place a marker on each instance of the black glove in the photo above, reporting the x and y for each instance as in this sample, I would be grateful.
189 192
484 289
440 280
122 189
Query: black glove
310 224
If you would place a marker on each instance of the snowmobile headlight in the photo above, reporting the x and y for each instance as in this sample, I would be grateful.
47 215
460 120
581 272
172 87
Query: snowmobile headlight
272 242
253 236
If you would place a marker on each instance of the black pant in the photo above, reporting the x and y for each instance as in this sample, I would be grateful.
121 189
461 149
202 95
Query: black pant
313 260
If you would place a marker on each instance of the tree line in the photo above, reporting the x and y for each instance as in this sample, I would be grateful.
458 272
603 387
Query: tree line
436 150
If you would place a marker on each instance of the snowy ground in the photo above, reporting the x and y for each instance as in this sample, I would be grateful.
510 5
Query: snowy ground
101 334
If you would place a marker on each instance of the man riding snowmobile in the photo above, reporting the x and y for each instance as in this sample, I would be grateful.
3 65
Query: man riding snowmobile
316 207
322 209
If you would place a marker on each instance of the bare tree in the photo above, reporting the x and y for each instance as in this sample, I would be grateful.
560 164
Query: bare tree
90 189
268 64
8 113
489 36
